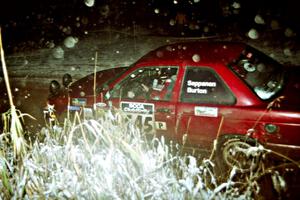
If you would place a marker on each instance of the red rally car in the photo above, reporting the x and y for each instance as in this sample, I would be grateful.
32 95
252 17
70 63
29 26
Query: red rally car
199 91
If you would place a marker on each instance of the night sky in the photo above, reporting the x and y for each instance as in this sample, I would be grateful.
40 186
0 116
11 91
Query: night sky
32 20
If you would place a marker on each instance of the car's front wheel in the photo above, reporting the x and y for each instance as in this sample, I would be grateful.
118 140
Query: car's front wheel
239 152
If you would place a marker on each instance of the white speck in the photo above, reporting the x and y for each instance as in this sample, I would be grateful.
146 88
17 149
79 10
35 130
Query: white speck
261 67
175 2
58 52
206 29
168 48
287 52
117 51
89 3
86 32
70 42
236 5
172 22
82 94
259 20
16 89
73 68
130 94
289 32
156 11
196 58
196 1
253 34
159 54
50 44
67 30
25 62
272 55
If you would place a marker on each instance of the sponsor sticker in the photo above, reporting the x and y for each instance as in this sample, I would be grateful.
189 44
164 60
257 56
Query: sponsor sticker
142 114
74 108
79 102
206 111
138 108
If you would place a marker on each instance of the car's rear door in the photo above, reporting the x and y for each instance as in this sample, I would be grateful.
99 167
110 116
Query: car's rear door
203 97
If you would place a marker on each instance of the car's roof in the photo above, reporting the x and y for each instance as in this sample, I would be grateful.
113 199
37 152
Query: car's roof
195 52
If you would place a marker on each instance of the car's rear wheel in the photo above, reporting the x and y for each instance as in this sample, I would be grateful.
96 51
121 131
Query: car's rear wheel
239 152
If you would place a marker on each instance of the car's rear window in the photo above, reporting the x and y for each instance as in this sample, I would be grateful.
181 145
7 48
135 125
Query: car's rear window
203 85
261 73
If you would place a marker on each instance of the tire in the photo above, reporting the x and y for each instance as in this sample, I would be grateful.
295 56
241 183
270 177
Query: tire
233 151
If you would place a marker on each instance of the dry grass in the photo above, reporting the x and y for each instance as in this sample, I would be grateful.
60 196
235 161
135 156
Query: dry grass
109 158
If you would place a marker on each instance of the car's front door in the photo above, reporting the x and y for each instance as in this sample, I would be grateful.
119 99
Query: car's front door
145 95
203 97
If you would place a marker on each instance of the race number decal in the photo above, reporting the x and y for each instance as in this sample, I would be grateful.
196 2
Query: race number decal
142 114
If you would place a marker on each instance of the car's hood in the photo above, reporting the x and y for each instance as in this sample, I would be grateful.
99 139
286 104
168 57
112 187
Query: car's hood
85 86
291 90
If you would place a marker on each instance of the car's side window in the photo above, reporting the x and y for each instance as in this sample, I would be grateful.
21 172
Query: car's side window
149 83
203 85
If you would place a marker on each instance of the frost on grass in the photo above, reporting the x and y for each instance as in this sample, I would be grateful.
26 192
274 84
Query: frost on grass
109 158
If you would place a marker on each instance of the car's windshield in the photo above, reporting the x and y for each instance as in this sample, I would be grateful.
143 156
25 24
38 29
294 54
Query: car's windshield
121 71
261 73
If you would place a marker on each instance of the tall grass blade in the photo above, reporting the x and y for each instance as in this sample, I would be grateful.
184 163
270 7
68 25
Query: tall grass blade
16 128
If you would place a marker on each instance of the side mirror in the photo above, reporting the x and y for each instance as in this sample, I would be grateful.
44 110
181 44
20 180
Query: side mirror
66 80
54 87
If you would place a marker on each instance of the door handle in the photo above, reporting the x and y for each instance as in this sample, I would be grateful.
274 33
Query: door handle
163 110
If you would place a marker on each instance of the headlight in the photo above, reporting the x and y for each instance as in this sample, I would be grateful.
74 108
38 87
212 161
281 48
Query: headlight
54 87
